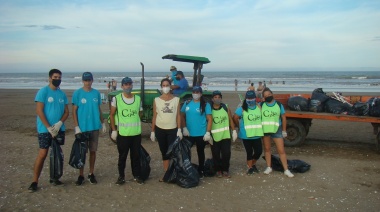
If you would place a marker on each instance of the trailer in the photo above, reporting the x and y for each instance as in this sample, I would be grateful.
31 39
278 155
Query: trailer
299 122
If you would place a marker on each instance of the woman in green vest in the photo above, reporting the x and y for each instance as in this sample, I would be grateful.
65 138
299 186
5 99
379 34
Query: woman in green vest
248 118
274 126
127 106
220 132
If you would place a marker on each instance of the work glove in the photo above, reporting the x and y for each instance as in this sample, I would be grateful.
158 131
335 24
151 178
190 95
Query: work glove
284 134
207 136
52 132
77 130
179 133
104 128
185 131
114 135
152 136
234 135
57 126
211 141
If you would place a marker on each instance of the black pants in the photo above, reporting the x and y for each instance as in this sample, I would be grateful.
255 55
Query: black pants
253 147
221 154
165 138
201 144
124 144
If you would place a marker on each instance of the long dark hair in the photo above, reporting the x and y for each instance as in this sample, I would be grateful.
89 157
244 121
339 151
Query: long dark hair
203 104
245 105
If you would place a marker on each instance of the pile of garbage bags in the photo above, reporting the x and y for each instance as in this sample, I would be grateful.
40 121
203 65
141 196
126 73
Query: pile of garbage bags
320 102
295 166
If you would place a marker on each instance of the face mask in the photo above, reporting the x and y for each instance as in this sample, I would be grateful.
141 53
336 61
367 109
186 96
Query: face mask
127 90
250 103
56 82
166 90
196 96
269 98
217 101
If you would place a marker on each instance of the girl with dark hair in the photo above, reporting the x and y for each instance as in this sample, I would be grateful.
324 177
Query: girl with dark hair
274 126
196 119
166 121
248 118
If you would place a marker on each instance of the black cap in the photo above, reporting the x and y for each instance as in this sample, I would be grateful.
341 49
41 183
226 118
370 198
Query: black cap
215 93
197 89
87 76
126 80
250 95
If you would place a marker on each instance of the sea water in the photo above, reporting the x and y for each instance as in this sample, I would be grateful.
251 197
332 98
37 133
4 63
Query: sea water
340 81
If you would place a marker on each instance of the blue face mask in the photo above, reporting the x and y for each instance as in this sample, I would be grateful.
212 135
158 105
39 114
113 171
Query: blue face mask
127 90
250 103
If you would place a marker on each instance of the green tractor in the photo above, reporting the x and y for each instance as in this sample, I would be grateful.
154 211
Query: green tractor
148 95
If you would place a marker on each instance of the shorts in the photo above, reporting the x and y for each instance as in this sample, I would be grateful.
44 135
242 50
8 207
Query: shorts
277 134
45 139
92 140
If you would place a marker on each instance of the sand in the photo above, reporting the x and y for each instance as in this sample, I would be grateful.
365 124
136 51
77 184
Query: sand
344 174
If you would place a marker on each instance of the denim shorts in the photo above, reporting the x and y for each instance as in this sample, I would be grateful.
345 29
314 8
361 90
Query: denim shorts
45 139
92 140
277 134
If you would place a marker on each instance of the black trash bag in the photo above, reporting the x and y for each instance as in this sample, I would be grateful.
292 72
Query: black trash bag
359 109
144 164
78 152
298 103
336 107
183 173
209 170
374 107
318 98
296 166
56 160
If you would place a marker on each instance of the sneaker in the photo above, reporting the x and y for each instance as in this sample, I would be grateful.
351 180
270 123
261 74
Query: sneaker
219 174
33 187
201 175
226 175
255 169
91 178
268 170
80 181
139 181
120 181
288 173
56 182
250 171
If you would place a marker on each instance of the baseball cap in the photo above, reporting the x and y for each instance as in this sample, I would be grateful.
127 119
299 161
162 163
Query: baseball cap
215 93
197 89
180 72
172 68
126 80
87 76
250 95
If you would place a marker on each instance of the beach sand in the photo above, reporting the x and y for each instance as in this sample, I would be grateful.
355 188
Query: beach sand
344 174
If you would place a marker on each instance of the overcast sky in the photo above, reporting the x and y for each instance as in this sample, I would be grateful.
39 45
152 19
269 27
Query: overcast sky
94 35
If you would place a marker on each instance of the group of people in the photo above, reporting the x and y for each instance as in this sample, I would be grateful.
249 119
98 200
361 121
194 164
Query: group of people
201 122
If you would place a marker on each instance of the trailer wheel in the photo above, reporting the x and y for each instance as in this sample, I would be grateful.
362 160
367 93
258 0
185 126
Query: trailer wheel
378 142
296 133
110 132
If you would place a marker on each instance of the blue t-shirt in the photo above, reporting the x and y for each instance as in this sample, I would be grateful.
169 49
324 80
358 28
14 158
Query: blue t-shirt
174 74
282 110
196 122
183 85
242 132
54 107
88 109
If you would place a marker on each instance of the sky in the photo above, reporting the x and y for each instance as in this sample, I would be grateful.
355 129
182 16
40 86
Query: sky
95 35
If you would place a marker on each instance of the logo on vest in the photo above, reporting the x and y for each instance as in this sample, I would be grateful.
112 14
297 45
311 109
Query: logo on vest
252 117
219 120
128 112
267 113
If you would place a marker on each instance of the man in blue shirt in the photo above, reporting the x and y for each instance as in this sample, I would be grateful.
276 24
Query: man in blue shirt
52 111
181 85
88 120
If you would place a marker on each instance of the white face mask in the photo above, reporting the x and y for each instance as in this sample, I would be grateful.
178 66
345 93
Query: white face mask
196 96
166 90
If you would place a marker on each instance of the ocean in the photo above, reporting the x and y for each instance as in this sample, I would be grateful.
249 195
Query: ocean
338 81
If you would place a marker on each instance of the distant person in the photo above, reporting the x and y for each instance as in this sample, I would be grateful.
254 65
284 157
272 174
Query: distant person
181 85
128 132
52 110
166 121
236 82
251 87
174 80
274 128
88 120
283 82
114 85
260 89
265 85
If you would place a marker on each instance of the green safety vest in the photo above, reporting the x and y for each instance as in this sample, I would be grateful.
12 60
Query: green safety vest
270 117
128 116
252 122
220 124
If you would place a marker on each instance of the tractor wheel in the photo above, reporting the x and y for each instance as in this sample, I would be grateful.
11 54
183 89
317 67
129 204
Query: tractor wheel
296 133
